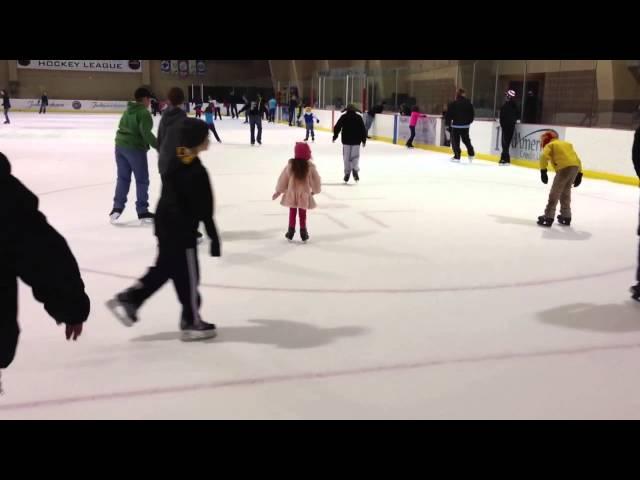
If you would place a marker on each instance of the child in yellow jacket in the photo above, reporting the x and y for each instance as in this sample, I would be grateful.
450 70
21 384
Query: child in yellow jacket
568 169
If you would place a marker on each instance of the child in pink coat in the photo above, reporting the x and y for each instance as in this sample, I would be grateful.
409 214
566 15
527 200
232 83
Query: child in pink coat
299 181
413 121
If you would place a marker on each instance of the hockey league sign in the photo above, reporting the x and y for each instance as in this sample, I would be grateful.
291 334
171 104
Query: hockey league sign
111 66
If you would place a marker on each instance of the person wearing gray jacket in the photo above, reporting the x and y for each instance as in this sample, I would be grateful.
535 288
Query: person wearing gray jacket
167 133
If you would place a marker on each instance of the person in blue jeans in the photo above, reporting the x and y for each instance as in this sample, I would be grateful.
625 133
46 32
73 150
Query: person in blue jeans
133 139
273 104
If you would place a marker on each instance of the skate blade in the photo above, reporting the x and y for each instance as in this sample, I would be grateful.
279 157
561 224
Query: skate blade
118 311
196 335
113 219
146 221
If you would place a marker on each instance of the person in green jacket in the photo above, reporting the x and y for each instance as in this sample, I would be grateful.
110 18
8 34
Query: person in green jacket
132 143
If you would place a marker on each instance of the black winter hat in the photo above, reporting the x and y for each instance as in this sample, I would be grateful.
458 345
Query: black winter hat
193 132
141 93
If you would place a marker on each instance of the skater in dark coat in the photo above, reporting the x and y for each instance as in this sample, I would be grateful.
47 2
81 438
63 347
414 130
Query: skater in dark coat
6 105
44 103
185 201
509 117
460 116
354 133
635 156
33 251
254 110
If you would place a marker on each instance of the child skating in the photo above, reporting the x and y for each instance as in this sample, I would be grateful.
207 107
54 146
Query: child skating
309 118
568 169
208 118
413 121
185 201
299 182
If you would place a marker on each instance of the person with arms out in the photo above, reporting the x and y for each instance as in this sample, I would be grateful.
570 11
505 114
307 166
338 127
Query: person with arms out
254 110
185 201
208 117
568 169
413 121
309 117
133 139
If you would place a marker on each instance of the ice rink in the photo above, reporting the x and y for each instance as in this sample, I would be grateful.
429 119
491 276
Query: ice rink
425 291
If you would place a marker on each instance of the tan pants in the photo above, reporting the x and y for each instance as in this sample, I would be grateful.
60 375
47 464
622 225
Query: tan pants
561 190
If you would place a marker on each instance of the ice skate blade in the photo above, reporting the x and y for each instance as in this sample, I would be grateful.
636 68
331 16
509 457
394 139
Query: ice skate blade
196 335
117 310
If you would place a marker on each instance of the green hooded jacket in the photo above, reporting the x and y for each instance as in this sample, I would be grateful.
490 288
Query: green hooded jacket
134 130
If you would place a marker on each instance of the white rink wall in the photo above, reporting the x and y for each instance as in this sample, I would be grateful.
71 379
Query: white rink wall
602 150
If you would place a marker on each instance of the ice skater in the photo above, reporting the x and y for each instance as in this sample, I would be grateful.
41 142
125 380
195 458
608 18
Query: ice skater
293 103
371 116
133 139
6 105
413 121
245 108
354 133
32 250
217 114
208 117
198 107
185 201
509 117
298 182
635 156
44 103
273 105
254 110
460 116
568 169
309 117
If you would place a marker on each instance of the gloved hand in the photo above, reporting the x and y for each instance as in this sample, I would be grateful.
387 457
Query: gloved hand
215 247
578 180
543 176
317 121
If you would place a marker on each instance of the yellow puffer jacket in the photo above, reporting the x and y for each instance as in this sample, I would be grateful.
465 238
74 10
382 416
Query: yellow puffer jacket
561 155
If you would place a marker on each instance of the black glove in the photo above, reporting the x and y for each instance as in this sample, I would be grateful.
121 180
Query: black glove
578 180
215 247
543 176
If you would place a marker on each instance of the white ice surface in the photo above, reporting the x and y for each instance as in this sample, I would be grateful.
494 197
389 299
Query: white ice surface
426 291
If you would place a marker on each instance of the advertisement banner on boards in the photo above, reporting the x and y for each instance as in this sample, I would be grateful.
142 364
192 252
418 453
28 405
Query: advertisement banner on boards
526 140
88 106
111 66
425 130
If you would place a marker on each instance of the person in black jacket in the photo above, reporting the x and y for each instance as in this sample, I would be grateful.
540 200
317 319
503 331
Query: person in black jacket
233 104
371 116
32 250
254 110
44 102
635 156
509 116
354 133
155 106
185 201
460 115
293 103
6 105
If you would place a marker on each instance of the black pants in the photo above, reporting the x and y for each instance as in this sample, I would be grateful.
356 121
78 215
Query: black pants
309 127
234 110
413 134
255 121
458 134
6 115
43 109
217 114
212 127
292 114
181 266
507 136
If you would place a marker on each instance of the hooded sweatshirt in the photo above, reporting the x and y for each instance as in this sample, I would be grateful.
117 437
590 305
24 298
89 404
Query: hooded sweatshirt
32 250
168 136
134 130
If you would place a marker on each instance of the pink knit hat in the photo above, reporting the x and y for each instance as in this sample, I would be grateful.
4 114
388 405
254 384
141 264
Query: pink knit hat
302 151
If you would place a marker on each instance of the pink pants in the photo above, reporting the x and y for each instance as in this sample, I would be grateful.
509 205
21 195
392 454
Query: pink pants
292 217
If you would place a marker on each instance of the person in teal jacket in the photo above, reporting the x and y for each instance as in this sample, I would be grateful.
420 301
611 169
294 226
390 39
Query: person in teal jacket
133 139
